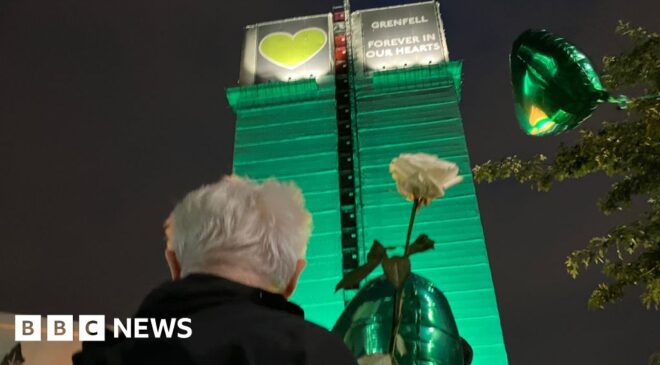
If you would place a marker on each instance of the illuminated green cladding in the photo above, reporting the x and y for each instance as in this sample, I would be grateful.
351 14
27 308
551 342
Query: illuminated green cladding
416 110
288 130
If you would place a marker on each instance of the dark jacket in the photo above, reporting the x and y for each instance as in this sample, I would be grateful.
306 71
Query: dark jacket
231 324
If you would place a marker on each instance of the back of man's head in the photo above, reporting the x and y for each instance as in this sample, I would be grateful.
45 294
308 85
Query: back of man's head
238 225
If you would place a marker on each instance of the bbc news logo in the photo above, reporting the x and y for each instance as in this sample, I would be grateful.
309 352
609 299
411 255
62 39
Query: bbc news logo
91 328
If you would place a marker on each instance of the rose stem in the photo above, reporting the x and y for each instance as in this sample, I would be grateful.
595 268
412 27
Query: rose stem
410 224
398 297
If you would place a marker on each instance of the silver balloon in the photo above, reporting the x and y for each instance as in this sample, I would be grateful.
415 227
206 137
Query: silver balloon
427 328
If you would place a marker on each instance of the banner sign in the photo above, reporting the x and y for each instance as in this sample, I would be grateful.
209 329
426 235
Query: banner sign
399 36
288 50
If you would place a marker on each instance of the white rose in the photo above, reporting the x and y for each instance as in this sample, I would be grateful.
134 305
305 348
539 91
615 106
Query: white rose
423 177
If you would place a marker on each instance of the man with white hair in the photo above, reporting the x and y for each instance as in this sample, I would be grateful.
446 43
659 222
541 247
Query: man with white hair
235 250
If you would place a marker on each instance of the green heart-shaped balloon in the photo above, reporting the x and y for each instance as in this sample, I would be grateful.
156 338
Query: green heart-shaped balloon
554 84
292 50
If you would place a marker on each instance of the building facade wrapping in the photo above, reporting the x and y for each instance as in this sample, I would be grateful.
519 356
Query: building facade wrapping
334 135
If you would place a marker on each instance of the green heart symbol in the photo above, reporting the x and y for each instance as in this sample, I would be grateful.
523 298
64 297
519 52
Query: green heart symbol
292 50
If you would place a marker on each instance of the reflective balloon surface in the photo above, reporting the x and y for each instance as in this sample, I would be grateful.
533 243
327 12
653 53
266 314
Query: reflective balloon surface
554 85
427 328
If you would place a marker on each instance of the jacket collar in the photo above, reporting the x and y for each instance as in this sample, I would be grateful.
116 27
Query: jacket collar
198 291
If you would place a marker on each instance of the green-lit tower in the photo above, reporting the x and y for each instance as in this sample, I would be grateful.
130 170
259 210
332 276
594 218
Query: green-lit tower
328 101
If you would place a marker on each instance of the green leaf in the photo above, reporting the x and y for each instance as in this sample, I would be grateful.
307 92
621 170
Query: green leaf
376 253
421 244
397 270
352 279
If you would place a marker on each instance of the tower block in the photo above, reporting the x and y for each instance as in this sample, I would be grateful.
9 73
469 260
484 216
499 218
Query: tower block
328 101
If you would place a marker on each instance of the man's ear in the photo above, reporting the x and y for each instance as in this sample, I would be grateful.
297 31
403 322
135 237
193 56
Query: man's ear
288 291
173 263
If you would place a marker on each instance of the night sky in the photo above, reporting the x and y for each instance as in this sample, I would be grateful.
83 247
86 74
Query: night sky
110 112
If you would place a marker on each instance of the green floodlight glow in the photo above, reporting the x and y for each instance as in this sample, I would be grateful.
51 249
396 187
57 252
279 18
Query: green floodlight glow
289 131
417 110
